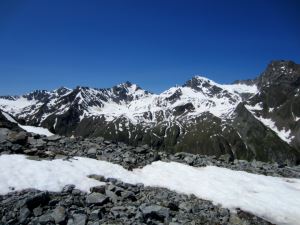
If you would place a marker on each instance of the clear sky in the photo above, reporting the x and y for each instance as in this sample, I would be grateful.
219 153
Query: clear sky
45 44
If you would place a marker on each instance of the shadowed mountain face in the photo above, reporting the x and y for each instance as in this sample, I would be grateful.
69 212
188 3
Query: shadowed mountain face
253 119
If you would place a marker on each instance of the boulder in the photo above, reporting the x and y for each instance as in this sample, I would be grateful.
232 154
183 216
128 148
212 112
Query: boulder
95 215
92 151
98 189
68 188
17 137
46 219
36 200
96 199
156 212
59 215
53 138
77 219
24 214
3 134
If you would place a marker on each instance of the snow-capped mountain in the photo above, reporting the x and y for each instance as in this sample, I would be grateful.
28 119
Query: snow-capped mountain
198 95
249 119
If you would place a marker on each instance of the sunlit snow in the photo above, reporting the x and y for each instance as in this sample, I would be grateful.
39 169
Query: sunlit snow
284 134
16 105
274 199
203 101
32 129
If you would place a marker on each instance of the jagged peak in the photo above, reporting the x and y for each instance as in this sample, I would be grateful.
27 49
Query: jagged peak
202 78
63 88
199 80
281 65
126 84
129 86
279 71
276 63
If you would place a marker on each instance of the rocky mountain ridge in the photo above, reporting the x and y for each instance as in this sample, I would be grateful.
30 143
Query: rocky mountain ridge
254 119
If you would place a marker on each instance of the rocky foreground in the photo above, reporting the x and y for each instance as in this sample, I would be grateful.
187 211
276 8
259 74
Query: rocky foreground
117 202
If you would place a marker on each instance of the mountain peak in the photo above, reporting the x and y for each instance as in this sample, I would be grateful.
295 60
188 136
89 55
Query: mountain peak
198 82
280 63
62 90
279 71
129 88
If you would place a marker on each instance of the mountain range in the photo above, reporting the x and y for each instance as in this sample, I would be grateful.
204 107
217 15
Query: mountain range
250 119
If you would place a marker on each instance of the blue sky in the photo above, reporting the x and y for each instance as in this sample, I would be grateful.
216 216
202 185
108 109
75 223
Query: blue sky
154 43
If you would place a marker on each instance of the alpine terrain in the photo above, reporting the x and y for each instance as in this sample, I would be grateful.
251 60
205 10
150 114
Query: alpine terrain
249 119
198 154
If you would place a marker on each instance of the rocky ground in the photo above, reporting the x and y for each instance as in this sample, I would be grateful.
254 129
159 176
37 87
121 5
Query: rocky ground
55 147
117 202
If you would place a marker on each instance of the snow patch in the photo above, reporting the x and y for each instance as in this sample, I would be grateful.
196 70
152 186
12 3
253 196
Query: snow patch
8 117
232 189
32 129
284 134
55 123
16 105
257 106
36 130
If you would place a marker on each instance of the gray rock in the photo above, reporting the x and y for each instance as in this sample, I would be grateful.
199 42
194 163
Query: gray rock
96 199
68 188
77 219
97 177
17 137
36 200
59 214
53 138
93 223
95 215
140 150
107 142
99 139
3 134
92 151
45 219
31 151
16 148
59 156
99 189
189 160
154 212
128 195
185 206
112 196
235 220
37 211
38 143
24 214
226 158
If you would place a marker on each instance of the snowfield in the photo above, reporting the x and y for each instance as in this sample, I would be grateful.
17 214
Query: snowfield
274 199
32 129
36 130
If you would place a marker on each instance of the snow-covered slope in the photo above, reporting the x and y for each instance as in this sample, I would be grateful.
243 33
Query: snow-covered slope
31 129
232 189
